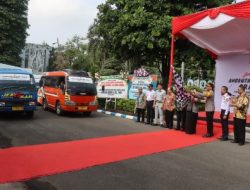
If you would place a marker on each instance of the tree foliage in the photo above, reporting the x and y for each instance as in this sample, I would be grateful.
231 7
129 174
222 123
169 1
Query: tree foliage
77 54
139 31
13 25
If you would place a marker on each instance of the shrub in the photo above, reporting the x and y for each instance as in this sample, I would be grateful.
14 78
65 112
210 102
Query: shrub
101 103
123 105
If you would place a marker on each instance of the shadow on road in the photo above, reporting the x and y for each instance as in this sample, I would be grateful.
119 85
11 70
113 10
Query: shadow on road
76 115
35 184
5 142
15 117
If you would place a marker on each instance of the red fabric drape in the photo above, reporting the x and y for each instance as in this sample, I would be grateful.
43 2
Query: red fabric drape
170 79
240 10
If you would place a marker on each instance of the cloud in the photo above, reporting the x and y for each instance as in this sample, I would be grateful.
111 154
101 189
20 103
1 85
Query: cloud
52 19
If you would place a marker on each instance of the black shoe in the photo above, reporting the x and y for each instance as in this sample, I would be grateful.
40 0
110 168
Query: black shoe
241 144
161 125
177 129
234 141
208 135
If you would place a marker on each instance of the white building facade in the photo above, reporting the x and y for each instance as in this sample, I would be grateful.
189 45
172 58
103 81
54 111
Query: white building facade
36 57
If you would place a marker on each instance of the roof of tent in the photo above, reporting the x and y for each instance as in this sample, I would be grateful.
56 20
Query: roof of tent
222 30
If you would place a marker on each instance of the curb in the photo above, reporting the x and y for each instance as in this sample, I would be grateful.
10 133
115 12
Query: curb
118 115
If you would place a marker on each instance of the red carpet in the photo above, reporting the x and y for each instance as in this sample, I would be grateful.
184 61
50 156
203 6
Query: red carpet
23 163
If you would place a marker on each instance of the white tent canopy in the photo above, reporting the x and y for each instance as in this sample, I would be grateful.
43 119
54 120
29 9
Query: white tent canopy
223 35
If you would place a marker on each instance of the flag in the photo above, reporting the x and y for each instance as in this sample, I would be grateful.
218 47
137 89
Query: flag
182 98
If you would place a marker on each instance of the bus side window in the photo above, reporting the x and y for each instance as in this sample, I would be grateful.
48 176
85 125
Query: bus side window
42 82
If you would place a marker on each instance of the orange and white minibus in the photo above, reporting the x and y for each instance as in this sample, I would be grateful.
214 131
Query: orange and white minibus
67 91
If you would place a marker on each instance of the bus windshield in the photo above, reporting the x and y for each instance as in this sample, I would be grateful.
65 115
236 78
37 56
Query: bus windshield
13 81
80 86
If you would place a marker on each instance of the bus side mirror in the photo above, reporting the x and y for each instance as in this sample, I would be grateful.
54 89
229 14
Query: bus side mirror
40 83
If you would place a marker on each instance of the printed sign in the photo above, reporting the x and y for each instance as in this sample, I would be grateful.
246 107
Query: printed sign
80 79
136 82
231 71
112 87
15 77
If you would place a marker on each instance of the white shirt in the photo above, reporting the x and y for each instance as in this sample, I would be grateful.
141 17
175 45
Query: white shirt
225 103
160 95
150 95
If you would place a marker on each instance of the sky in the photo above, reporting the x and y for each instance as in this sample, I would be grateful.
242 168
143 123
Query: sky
62 19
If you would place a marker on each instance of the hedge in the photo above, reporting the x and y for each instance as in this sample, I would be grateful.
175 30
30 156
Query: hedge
124 105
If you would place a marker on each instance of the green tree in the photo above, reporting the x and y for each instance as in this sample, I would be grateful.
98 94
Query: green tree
75 51
72 54
101 60
13 25
139 31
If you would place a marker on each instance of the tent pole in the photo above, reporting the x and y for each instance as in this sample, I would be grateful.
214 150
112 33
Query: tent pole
171 62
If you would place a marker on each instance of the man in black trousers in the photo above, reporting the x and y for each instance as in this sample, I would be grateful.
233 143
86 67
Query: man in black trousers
225 112
240 104
150 104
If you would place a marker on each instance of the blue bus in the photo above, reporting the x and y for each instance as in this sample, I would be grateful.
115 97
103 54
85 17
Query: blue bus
17 91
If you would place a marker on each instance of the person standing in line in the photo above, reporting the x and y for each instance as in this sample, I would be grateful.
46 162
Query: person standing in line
140 105
192 115
150 96
240 104
158 102
181 115
168 107
208 95
225 112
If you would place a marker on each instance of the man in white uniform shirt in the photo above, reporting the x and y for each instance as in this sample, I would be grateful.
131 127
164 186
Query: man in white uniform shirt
225 111
150 103
158 102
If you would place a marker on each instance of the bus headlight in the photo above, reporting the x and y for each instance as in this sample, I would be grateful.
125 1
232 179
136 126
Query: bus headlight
93 103
2 104
32 103
70 103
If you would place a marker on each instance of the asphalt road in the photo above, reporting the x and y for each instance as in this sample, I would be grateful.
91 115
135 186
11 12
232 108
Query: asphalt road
217 165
